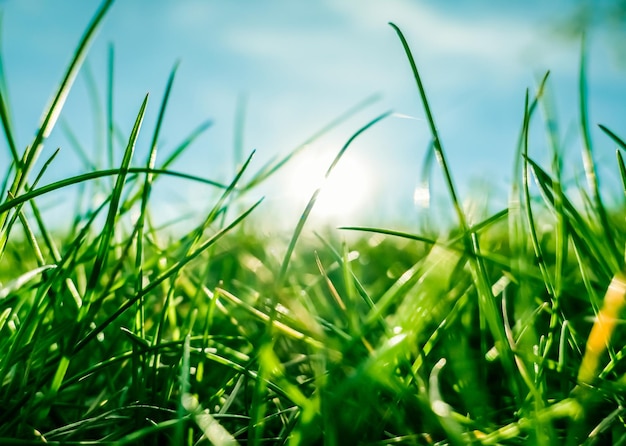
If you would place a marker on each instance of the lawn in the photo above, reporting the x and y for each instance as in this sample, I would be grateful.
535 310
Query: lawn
503 329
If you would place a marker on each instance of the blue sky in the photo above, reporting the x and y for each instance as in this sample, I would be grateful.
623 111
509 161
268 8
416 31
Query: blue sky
300 64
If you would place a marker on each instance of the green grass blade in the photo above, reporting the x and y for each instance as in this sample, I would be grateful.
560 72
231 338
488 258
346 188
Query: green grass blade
5 114
485 298
619 141
273 166
530 219
622 169
52 113
14 202
186 143
585 237
110 123
313 199
441 157
588 161
109 226
75 145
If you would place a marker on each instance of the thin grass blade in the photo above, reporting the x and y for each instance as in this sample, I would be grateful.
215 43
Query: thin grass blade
313 199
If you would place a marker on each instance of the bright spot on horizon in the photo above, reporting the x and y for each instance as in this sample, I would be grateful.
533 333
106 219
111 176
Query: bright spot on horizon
344 193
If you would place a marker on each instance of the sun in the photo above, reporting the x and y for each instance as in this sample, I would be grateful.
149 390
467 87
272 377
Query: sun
343 194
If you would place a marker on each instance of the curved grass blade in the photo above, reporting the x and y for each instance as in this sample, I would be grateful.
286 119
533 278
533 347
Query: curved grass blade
433 130
313 199
583 235
14 202
145 196
186 143
588 162
619 141
109 112
272 166
101 256
530 219
109 226
5 114
485 298
622 169
52 113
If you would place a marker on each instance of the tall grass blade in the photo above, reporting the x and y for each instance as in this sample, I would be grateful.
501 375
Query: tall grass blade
178 150
52 113
273 166
110 223
43 190
619 141
5 113
110 134
622 169
588 162
313 199
486 300
102 254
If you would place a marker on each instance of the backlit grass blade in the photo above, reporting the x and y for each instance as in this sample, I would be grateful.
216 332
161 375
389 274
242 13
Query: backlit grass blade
619 141
530 219
53 111
43 190
273 166
110 123
437 146
104 249
75 145
178 150
486 299
5 113
622 169
98 112
313 199
588 161
110 223
585 237
145 196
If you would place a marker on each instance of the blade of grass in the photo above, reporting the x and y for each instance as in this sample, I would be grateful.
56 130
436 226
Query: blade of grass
52 113
101 256
622 169
530 219
14 202
309 207
619 141
186 143
5 113
110 223
145 196
272 166
110 123
589 164
486 300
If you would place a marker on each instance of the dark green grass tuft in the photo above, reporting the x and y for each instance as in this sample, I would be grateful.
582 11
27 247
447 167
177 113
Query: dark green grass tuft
501 331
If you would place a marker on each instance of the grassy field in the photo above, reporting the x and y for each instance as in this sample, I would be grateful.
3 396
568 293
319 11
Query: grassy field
499 331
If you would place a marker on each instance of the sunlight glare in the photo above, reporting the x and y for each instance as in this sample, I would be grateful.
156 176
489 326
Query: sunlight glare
345 192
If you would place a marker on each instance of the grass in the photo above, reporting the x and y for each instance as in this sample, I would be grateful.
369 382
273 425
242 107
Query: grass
117 331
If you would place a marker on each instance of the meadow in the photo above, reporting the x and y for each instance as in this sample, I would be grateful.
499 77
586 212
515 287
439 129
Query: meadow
499 330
